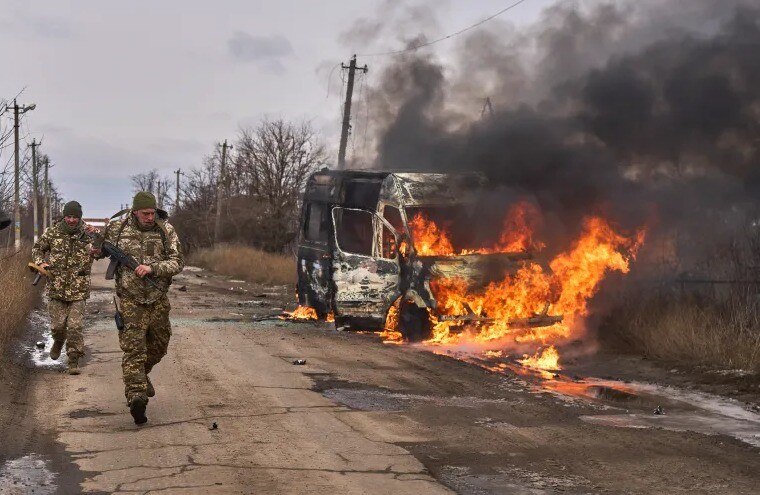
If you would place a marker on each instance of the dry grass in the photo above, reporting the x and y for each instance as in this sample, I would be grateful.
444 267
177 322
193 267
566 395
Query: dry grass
247 263
17 296
690 329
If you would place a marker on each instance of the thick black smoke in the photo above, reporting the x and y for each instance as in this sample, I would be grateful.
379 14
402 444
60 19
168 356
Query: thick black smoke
647 111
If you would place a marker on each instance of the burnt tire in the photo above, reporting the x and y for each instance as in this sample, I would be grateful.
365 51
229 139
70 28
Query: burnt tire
414 322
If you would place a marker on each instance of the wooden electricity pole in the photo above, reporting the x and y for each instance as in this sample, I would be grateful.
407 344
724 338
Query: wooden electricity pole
220 192
17 112
35 189
176 196
347 110
47 221
487 107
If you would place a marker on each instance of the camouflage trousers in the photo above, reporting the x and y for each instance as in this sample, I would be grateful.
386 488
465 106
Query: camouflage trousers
144 340
66 323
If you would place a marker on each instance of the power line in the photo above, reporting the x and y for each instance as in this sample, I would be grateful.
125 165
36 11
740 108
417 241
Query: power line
329 78
448 36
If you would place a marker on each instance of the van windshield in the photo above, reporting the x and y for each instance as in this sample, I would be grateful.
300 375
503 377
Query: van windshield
441 230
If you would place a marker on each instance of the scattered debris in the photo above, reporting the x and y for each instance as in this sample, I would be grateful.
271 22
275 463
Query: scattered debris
299 362
252 302
659 411
266 318
731 373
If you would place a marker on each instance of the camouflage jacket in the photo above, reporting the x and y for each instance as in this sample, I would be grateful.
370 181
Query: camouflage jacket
69 259
158 248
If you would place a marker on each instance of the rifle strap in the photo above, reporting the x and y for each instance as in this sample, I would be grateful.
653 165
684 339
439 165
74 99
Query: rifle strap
121 229
159 223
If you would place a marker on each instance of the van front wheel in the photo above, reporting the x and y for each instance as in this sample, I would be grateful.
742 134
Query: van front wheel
414 322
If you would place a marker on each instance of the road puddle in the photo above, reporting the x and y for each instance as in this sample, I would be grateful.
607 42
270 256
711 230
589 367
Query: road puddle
33 349
629 404
684 410
28 474
41 356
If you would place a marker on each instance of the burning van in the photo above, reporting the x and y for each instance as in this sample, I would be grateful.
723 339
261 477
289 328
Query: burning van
371 253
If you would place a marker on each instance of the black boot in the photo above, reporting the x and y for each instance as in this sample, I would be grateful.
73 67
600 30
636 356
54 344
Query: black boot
137 408
55 351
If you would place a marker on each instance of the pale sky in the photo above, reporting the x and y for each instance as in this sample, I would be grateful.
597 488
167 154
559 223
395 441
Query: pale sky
123 87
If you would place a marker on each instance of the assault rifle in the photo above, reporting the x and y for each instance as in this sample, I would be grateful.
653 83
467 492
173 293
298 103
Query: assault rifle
38 272
118 259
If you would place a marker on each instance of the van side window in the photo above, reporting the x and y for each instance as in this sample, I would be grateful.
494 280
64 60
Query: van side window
315 224
353 229
393 216
389 247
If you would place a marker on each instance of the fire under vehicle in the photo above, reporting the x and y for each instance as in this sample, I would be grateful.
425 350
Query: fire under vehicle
357 256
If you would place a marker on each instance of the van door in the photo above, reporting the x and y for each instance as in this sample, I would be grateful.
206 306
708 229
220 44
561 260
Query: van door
365 265
314 260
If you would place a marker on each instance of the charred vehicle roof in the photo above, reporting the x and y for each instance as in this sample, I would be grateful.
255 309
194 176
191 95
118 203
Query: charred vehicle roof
363 189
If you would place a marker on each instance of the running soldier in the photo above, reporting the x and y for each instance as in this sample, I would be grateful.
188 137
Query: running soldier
145 235
63 250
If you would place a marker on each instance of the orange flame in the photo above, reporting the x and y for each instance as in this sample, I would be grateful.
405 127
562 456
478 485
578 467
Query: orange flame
304 313
503 308
546 360
519 229
575 278
517 234
390 333
429 240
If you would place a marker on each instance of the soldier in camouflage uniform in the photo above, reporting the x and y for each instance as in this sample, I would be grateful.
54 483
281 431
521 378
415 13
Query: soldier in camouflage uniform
144 234
63 250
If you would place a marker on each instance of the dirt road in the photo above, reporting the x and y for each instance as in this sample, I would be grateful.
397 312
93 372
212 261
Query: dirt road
358 417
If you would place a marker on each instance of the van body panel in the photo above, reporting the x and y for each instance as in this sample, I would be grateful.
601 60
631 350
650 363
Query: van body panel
351 221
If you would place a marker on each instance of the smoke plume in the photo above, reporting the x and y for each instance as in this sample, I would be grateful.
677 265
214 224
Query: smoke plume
645 111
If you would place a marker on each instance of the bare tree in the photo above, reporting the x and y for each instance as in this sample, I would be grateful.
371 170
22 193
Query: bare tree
153 183
277 157
263 184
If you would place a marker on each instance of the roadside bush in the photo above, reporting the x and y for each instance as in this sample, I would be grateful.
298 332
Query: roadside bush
689 328
17 297
247 263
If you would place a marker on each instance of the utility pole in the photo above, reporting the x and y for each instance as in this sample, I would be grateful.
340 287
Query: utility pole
176 196
220 192
46 219
17 112
487 107
35 189
347 110
159 198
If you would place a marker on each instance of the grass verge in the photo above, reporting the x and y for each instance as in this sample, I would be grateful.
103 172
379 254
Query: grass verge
689 329
17 297
247 263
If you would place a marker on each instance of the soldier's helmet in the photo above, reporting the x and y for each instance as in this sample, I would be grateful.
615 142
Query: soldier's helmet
4 220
